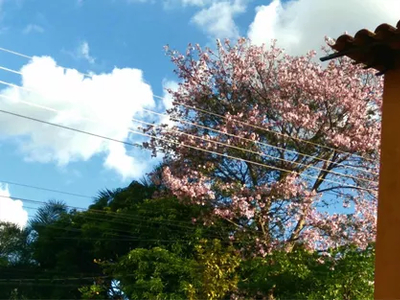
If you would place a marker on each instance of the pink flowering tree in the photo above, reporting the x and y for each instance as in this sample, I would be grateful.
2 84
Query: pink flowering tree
282 147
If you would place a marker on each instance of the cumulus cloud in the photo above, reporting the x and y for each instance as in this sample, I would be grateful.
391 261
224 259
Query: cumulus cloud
300 25
11 210
103 104
83 51
217 20
33 28
215 17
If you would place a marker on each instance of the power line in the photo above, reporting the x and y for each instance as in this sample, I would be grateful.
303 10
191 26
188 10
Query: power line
70 128
212 113
258 153
31 57
184 121
245 160
44 189
184 133
103 214
122 219
52 279
116 233
16 53
272 131
177 120
65 127
184 145
10 70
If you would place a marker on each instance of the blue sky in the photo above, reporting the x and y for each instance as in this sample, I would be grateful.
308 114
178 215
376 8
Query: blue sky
121 43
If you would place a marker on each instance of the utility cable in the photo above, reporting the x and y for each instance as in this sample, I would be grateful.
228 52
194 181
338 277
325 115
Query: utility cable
190 123
44 189
180 120
71 128
257 152
187 146
187 134
215 114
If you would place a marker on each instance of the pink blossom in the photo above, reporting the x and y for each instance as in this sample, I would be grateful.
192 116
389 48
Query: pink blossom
286 100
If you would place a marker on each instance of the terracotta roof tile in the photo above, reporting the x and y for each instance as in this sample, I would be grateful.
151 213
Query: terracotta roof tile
379 50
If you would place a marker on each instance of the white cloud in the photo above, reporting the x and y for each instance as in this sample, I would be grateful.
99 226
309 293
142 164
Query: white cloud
33 28
184 3
217 20
195 2
167 100
11 210
167 97
301 25
84 52
215 17
112 99
127 165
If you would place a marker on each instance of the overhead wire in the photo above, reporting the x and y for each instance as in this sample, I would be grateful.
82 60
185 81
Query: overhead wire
121 219
211 113
42 281
16 53
77 130
194 124
191 147
26 270
257 153
177 120
123 216
10 70
44 189
91 210
272 131
124 219
102 213
137 120
184 133
65 127
117 232
53 279
204 150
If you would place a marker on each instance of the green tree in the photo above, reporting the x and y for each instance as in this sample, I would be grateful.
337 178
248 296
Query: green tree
140 242
215 271
343 273
15 260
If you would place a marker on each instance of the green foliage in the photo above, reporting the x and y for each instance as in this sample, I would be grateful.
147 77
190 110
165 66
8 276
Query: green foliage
48 214
13 244
152 274
140 243
94 291
344 273
16 295
348 275
215 272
